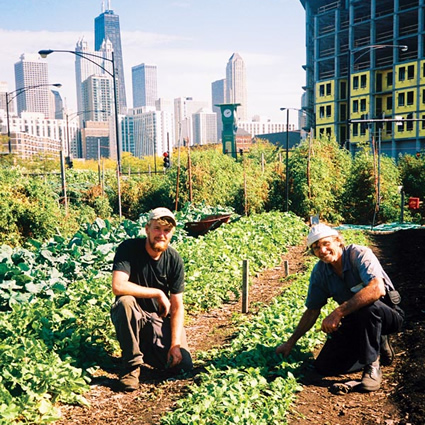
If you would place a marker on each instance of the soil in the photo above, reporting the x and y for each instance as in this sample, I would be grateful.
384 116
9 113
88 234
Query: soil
400 401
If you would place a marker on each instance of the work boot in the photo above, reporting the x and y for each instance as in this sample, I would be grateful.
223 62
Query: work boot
372 376
129 379
387 351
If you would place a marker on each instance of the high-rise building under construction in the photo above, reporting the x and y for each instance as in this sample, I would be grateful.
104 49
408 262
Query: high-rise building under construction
365 72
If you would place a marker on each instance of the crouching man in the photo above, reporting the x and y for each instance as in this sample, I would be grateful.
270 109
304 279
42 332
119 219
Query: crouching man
358 328
148 312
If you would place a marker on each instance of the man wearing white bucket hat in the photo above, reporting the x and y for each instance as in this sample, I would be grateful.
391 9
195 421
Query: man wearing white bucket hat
367 309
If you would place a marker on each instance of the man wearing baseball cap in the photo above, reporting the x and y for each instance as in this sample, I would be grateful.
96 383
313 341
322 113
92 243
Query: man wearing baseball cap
367 309
148 312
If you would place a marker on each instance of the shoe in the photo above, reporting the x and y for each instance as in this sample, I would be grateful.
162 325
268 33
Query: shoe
387 351
129 379
371 379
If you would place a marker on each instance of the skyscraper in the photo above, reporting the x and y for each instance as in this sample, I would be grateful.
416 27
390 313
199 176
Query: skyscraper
32 71
236 91
144 81
86 68
204 127
107 27
218 96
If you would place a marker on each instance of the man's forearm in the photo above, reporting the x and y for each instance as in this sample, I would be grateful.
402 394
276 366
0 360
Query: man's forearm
177 322
366 296
306 322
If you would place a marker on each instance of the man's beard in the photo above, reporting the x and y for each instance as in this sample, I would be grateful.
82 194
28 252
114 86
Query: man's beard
157 246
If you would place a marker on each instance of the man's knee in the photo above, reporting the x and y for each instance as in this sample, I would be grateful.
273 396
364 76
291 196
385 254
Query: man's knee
125 309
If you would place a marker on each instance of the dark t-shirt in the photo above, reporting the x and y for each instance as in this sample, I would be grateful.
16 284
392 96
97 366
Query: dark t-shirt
166 274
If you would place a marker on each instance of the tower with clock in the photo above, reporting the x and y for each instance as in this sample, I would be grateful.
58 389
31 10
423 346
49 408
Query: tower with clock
228 136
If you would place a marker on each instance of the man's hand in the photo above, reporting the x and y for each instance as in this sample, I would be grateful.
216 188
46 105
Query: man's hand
164 304
332 322
174 356
285 348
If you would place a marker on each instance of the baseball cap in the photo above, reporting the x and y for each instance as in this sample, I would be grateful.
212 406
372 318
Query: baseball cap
162 212
320 231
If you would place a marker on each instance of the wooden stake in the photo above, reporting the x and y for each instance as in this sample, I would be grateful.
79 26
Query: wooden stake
245 282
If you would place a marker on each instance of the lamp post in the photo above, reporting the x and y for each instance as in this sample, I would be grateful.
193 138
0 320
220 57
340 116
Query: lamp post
13 95
287 160
89 56
351 60
287 155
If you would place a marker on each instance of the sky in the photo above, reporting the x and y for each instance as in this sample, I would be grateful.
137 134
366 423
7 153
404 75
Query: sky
190 42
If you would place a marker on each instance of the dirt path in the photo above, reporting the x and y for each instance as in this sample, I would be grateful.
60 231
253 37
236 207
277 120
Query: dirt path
401 400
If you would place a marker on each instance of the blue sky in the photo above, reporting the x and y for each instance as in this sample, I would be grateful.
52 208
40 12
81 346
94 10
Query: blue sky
190 41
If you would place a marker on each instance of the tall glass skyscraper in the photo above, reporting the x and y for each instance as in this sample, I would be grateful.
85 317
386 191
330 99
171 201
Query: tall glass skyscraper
107 27
236 91
32 71
144 80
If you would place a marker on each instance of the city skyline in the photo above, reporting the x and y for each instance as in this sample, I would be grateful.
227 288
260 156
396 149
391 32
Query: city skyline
190 44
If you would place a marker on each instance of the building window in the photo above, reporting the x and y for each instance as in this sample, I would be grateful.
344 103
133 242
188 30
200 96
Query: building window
378 106
409 124
362 105
355 83
328 131
343 91
355 106
343 112
423 95
356 129
378 81
390 79
390 103
328 110
321 131
363 81
401 99
389 127
322 112
328 89
423 70
410 98
363 126
411 72
321 90
401 73
423 122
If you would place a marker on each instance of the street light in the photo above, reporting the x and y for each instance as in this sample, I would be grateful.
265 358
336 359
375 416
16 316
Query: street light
88 56
287 154
351 63
14 95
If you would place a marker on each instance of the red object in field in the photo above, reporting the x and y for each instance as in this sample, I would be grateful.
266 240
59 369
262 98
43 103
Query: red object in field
413 203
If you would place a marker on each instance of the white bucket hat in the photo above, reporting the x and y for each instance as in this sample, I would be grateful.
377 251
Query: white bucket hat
320 231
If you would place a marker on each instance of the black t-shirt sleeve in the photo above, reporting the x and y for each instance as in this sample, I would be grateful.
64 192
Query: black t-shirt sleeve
122 259
176 283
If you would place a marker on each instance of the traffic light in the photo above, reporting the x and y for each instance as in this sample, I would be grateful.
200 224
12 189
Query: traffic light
166 160
69 162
